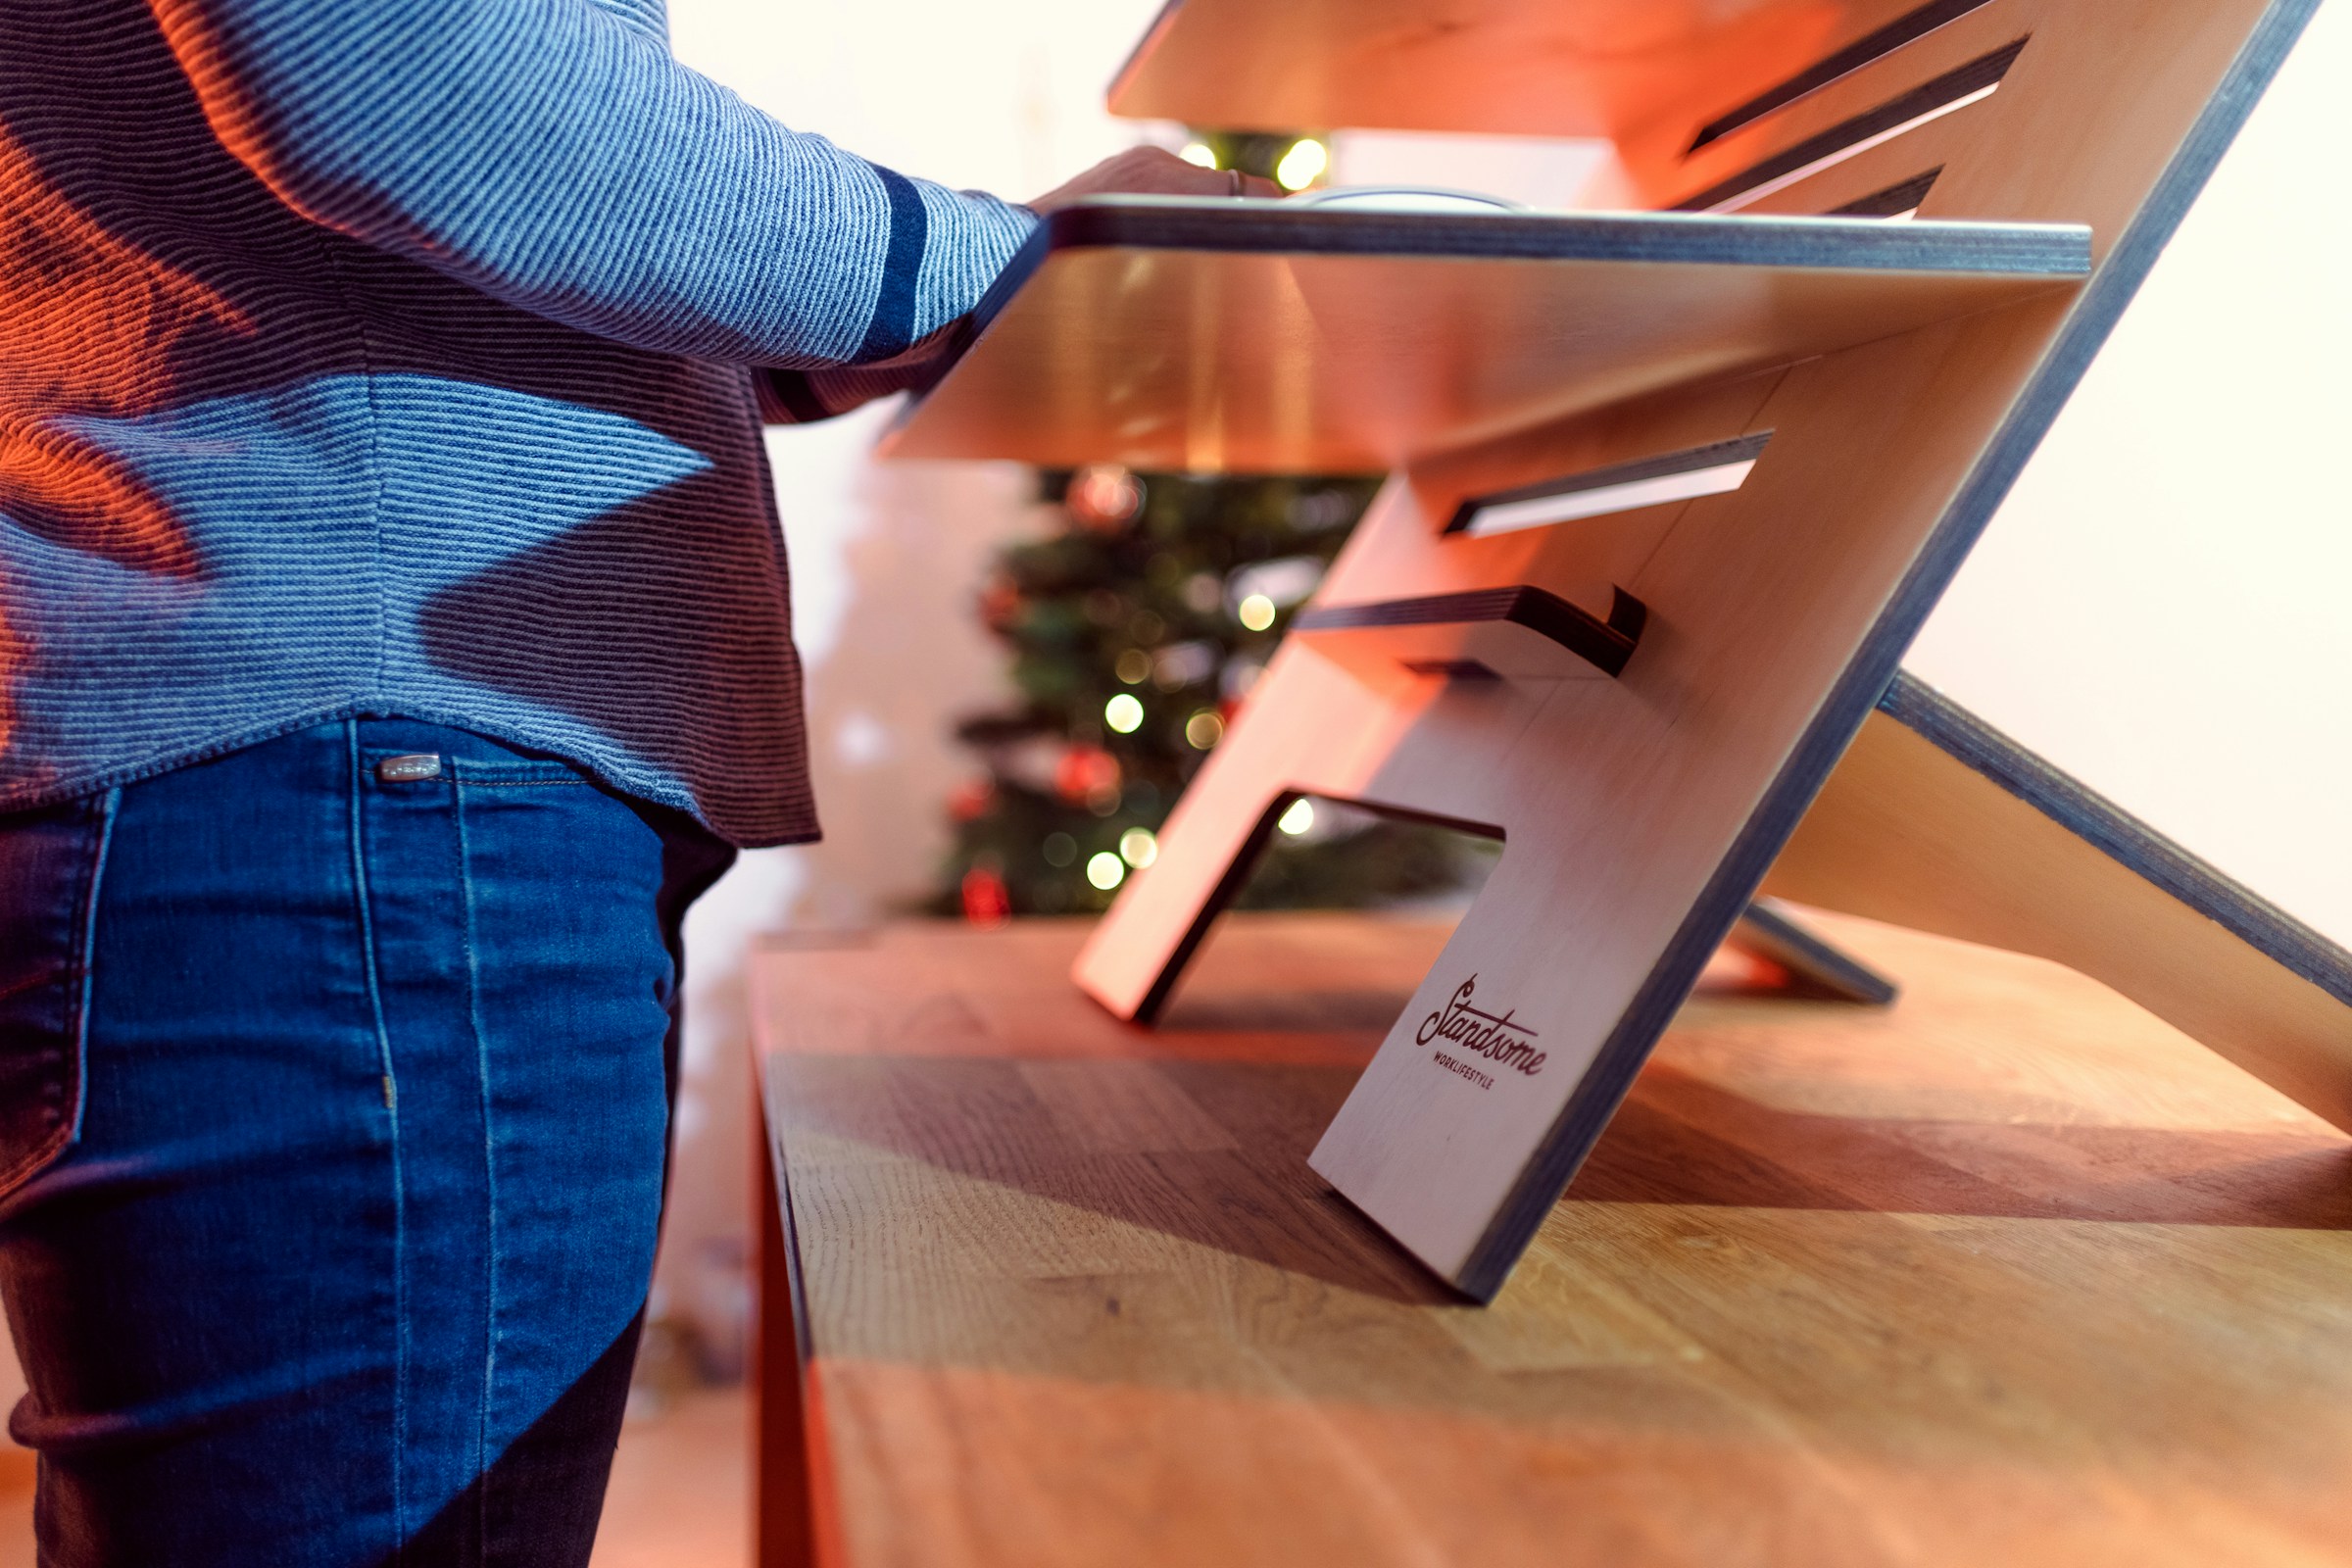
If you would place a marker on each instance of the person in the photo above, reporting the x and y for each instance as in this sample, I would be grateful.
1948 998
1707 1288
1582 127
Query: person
393 643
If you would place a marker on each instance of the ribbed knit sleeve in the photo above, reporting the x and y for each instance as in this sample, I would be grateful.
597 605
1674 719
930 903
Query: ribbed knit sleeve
554 155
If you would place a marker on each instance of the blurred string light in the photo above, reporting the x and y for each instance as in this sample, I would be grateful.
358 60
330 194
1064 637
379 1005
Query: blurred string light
1286 580
1302 165
1299 818
1292 161
1060 850
1256 613
1205 729
1137 848
1134 668
1106 870
1124 713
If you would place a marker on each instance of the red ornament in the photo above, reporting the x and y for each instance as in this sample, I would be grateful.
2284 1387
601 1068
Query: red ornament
971 798
999 604
1104 497
986 901
1086 774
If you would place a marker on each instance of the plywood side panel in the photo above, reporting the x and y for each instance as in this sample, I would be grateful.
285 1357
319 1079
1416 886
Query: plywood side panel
1624 796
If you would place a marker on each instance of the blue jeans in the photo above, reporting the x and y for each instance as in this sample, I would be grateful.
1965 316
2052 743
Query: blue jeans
334 1084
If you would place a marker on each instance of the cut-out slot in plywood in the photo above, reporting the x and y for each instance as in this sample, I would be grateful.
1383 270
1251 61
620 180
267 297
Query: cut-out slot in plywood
1519 634
1908 28
1715 470
1899 200
1249 337
1971 82
1532 68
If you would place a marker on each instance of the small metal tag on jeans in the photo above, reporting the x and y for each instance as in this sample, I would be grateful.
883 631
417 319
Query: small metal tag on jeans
413 767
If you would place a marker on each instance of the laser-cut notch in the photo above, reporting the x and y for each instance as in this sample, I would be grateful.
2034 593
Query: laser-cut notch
1714 470
1900 200
1514 633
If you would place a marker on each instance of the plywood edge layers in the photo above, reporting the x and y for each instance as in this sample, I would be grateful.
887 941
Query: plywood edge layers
1221 224
1856 691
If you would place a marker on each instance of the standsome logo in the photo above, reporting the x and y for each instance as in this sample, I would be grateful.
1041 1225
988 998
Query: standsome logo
1498 1038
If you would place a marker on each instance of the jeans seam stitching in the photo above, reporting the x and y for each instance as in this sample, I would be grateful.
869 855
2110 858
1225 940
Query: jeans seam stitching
473 1012
361 891
85 978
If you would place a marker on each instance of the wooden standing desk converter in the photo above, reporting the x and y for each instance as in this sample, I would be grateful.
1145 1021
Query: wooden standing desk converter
2009 1273
1644 698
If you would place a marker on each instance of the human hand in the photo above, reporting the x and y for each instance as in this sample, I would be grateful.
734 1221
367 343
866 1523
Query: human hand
1152 172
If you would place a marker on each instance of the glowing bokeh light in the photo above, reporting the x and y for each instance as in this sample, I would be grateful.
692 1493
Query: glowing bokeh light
1302 165
1137 848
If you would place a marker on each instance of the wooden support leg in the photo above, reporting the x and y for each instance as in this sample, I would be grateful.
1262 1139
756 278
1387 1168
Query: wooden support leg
1311 727
1935 821
1816 967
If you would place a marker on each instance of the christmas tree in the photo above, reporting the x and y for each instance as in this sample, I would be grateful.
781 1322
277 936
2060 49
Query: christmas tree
1135 631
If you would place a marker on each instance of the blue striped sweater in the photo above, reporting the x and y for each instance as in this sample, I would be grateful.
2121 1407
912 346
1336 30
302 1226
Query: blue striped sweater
409 357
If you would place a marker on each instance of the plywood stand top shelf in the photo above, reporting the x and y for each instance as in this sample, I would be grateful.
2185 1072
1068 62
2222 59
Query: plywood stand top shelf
1258 337
2009 1273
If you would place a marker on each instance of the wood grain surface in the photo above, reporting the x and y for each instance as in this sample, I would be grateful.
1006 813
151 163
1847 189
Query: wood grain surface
2010 1272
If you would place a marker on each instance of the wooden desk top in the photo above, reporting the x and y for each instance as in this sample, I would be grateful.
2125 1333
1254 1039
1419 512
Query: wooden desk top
2011 1272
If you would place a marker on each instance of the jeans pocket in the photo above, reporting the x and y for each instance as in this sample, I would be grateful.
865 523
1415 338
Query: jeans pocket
51 862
